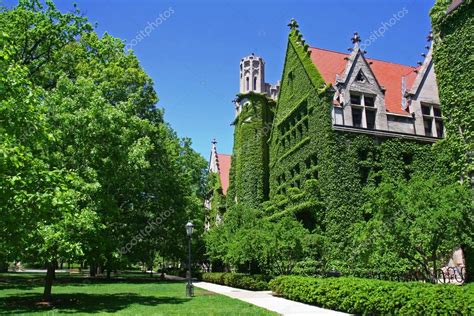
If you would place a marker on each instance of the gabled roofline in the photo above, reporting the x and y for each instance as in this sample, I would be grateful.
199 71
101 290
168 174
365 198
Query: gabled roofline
422 74
296 41
357 53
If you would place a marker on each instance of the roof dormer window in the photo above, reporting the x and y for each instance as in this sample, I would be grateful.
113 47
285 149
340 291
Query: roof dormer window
363 110
369 101
432 120
355 99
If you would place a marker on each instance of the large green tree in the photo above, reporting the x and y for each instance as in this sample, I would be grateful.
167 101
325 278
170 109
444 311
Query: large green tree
40 205
112 180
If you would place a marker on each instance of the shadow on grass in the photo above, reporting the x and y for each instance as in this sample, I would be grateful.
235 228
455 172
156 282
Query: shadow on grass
82 303
22 283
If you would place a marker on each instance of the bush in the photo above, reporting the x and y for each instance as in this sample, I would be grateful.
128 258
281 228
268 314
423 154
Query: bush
365 296
240 280
182 272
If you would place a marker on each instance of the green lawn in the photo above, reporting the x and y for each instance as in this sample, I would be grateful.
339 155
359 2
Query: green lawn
20 293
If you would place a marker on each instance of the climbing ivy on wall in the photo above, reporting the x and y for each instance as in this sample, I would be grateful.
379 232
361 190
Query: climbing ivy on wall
249 170
218 200
288 160
454 67
338 167
291 141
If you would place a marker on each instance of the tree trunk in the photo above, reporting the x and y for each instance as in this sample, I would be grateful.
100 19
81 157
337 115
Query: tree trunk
48 284
108 268
3 267
55 264
92 269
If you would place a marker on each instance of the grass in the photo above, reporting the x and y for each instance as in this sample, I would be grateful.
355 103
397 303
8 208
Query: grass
21 293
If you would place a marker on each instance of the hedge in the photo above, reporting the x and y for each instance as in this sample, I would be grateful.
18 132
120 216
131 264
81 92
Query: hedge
239 280
366 296
182 272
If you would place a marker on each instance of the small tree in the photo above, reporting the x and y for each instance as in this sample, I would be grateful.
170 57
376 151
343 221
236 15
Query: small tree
283 245
416 223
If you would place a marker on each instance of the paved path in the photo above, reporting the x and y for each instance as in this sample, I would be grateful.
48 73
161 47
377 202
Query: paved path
265 300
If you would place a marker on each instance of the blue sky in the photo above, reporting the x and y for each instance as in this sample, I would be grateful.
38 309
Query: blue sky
193 50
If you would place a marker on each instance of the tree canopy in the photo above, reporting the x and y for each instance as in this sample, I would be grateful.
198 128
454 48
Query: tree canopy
89 166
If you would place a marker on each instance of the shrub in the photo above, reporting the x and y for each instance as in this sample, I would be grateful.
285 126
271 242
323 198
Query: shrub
239 280
182 272
365 296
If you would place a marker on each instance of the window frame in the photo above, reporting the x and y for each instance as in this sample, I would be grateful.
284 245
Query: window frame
364 109
434 118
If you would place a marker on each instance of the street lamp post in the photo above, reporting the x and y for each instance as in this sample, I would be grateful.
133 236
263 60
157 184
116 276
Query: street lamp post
189 286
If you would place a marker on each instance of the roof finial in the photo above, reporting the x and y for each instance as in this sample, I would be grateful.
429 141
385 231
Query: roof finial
355 38
430 37
293 24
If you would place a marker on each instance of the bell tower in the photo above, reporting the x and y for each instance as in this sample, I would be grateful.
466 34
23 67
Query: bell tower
252 74
254 107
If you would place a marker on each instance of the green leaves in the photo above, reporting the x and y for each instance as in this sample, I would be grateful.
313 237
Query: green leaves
246 237
452 49
238 280
86 159
374 297
415 223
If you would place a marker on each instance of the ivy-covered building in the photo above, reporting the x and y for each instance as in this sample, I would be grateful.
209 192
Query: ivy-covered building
339 124
453 28
276 143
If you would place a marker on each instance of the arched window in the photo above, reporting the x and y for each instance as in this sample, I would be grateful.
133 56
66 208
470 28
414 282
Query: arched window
255 83
247 83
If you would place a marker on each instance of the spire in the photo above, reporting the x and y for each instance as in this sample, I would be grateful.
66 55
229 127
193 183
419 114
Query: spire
293 25
214 161
214 147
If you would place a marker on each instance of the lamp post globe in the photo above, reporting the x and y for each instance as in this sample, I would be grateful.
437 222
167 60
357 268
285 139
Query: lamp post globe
189 229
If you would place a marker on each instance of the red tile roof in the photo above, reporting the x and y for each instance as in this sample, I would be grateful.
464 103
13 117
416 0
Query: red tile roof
389 75
224 170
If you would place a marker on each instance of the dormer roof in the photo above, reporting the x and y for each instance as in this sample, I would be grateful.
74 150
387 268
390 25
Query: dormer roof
224 162
332 65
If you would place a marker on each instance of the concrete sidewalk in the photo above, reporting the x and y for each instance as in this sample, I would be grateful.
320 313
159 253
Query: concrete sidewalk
265 300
